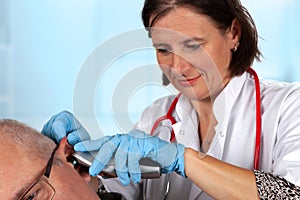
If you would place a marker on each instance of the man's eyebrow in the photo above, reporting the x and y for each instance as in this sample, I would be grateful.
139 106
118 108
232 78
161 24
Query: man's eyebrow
21 191
25 187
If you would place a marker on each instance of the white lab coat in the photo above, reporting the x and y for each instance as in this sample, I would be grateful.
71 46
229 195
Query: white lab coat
234 138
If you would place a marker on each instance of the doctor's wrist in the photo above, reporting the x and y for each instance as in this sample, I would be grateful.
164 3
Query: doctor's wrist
190 157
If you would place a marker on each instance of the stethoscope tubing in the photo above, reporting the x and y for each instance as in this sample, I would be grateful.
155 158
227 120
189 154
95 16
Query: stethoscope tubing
258 119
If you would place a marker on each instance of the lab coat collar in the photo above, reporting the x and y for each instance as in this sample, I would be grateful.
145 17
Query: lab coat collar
222 108
225 100
186 128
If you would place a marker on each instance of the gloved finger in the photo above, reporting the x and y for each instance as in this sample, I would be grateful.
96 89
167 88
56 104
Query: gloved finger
137 151
78 136
104 154
121 160
91 145
49 132
58 126
123 177
58 132
96 167
68 121
134 167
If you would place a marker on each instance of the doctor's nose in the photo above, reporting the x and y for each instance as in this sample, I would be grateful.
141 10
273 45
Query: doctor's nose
180 64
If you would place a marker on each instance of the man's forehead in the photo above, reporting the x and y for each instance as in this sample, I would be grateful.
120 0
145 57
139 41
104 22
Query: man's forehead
17 171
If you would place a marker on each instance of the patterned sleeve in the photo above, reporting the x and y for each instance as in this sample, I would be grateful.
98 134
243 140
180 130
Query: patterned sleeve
270 186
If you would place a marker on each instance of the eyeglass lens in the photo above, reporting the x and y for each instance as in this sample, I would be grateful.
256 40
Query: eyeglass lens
40 190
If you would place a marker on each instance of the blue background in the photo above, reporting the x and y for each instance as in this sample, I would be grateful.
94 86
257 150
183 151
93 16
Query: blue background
44 44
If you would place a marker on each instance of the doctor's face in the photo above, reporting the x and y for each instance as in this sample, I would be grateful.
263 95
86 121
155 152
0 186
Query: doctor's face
19 172
193 53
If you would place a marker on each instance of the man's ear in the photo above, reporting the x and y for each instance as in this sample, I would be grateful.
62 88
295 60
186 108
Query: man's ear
65 149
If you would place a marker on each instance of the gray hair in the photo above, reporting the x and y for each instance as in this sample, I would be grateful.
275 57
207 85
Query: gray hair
33 142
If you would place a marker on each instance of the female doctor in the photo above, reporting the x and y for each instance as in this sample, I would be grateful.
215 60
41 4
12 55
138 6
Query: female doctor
226 136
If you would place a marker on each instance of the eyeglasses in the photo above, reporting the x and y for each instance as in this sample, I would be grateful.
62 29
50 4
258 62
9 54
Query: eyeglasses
42 189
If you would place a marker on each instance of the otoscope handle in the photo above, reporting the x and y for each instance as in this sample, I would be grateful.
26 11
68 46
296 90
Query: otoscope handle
149 168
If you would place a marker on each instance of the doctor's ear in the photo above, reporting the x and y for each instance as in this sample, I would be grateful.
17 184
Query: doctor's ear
235 32
165 80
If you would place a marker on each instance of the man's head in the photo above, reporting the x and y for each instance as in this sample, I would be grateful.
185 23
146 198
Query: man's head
24 156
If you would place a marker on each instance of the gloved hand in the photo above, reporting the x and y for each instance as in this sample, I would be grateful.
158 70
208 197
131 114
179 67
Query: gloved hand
65 124
129 149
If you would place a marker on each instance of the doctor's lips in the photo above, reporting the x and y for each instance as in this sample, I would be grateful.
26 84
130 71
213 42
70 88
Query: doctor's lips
189 81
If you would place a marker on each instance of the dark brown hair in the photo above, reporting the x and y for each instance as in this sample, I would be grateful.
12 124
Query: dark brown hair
222 12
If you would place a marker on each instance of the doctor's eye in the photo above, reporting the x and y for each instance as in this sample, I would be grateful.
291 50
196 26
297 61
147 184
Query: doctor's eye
163 51
193 47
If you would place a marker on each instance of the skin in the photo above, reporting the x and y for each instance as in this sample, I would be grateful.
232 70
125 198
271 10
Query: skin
195 57
67 183
198 68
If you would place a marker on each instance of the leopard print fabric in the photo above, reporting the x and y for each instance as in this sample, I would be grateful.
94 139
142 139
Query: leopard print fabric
270 186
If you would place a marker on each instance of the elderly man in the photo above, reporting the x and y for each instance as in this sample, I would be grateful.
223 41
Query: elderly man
34 167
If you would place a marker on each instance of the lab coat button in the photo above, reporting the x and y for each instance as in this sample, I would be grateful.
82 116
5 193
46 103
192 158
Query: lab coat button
181 132
221 133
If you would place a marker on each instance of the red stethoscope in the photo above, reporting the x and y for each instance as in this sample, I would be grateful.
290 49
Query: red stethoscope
169 116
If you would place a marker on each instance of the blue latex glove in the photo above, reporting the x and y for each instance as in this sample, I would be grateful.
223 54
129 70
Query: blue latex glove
129 149
65 124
